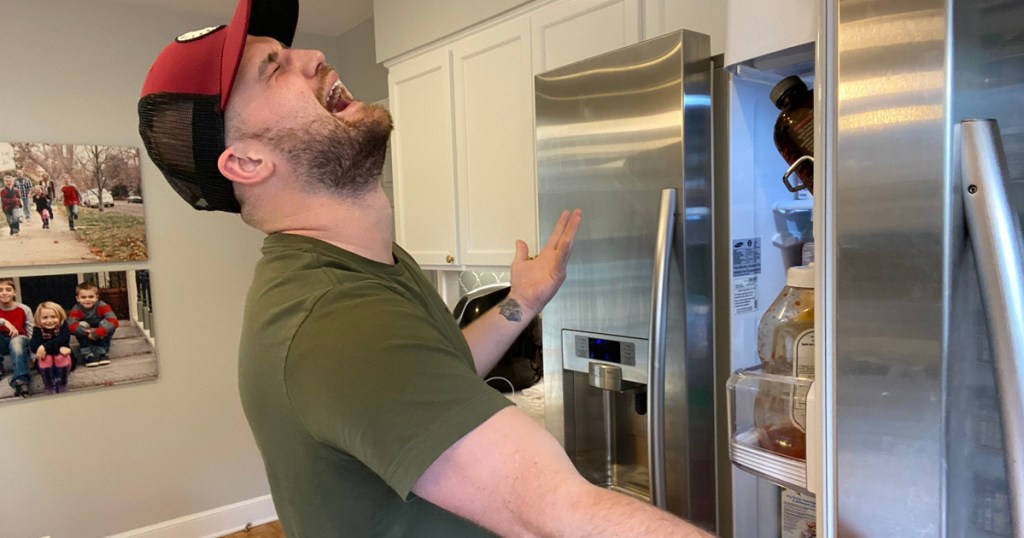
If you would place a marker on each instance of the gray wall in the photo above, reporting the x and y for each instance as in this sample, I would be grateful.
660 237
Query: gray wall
357 64
403 25
99 462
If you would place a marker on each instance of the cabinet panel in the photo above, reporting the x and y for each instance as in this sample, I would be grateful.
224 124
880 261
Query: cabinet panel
757 28
423 165
704 16
494 136
565 32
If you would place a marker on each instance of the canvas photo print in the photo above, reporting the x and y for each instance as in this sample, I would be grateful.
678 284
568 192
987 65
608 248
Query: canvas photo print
71 332
70 203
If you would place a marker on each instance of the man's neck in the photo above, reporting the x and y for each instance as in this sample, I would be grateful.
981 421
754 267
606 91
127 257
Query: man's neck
364 226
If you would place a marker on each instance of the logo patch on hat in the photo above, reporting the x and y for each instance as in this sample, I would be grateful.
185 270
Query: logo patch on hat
198 34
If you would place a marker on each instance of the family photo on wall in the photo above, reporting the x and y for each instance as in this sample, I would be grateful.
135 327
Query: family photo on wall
70 203
68 332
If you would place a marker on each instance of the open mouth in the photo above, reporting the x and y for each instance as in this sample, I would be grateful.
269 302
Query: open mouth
338 98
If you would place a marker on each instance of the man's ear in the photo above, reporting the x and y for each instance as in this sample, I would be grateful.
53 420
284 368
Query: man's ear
245 162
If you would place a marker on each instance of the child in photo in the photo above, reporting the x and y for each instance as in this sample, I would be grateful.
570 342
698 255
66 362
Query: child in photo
93 323
10 199
42 203
15 328
50 343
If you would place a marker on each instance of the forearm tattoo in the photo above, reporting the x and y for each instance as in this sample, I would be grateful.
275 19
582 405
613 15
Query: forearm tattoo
510 309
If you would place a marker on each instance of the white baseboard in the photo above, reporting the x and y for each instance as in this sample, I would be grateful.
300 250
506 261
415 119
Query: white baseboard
211 523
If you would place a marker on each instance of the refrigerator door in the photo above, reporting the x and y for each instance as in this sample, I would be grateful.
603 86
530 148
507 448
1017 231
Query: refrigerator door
613 132
917 425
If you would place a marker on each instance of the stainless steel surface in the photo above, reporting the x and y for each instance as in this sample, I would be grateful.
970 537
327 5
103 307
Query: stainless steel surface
987 55
656 364
917 442
995 234
605 376
826 91
720 284
892 195
612 132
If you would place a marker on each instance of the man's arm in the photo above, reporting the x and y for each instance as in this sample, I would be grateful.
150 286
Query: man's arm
511 477
534 282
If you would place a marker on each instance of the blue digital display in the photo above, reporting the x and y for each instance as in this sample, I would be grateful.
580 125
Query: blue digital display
604 350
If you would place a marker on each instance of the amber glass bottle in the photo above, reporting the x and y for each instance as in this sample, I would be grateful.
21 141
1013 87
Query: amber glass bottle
794 130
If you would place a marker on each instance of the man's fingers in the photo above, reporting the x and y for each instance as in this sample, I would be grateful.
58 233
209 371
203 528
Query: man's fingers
557 232
522 250
569 234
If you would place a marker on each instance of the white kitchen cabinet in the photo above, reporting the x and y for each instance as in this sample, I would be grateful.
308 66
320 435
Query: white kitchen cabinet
757 28
704 16
565 32
497 195
422 148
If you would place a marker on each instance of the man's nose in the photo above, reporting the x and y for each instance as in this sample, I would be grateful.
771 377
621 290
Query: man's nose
308 61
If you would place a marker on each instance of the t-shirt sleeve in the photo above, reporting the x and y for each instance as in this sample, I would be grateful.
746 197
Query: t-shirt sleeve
372 375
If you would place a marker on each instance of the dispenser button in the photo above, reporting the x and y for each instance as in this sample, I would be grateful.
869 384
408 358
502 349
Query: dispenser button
629 353
581 347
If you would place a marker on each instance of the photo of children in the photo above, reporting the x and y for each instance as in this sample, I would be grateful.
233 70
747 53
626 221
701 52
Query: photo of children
68 332
87 197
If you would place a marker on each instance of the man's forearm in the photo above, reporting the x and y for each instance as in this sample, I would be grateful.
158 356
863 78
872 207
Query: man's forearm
595 512
490 336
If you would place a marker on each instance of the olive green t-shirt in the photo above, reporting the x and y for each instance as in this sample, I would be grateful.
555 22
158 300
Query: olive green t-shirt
354 378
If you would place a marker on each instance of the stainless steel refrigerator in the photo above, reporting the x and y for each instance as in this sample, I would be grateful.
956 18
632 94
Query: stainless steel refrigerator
628 358
913 417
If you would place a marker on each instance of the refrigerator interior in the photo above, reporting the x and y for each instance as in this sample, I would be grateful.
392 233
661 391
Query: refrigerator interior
766 226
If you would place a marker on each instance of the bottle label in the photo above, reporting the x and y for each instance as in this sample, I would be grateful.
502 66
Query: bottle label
803 366
803 351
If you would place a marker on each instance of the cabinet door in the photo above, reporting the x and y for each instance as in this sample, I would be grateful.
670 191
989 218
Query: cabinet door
757 28
423 158
565 32
494 141
704 16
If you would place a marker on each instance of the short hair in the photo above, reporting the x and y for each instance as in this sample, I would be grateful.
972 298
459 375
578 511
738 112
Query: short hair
9 281
52 306
86 286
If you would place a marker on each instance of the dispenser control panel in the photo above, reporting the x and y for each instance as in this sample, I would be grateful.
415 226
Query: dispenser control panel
580 348
606 349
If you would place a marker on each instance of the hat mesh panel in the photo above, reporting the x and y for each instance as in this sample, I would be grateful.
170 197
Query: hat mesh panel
184 135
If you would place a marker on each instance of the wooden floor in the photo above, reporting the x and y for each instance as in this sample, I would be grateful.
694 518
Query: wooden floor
270 530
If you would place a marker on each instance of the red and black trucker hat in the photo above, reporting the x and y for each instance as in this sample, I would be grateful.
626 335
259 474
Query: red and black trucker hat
181 109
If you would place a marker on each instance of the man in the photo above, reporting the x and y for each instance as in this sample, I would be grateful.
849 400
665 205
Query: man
365 399
24 186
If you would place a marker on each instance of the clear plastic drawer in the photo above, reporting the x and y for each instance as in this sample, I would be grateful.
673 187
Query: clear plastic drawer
767 426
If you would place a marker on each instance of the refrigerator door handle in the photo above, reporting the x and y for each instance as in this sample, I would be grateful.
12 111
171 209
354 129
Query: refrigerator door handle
995 234
656 361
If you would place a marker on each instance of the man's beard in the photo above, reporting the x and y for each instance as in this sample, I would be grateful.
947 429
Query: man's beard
340 157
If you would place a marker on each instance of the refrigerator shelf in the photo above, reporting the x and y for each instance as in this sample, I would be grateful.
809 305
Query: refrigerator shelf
786 472
775 406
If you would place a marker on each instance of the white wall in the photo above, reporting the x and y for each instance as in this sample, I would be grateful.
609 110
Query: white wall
403 25
104 461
